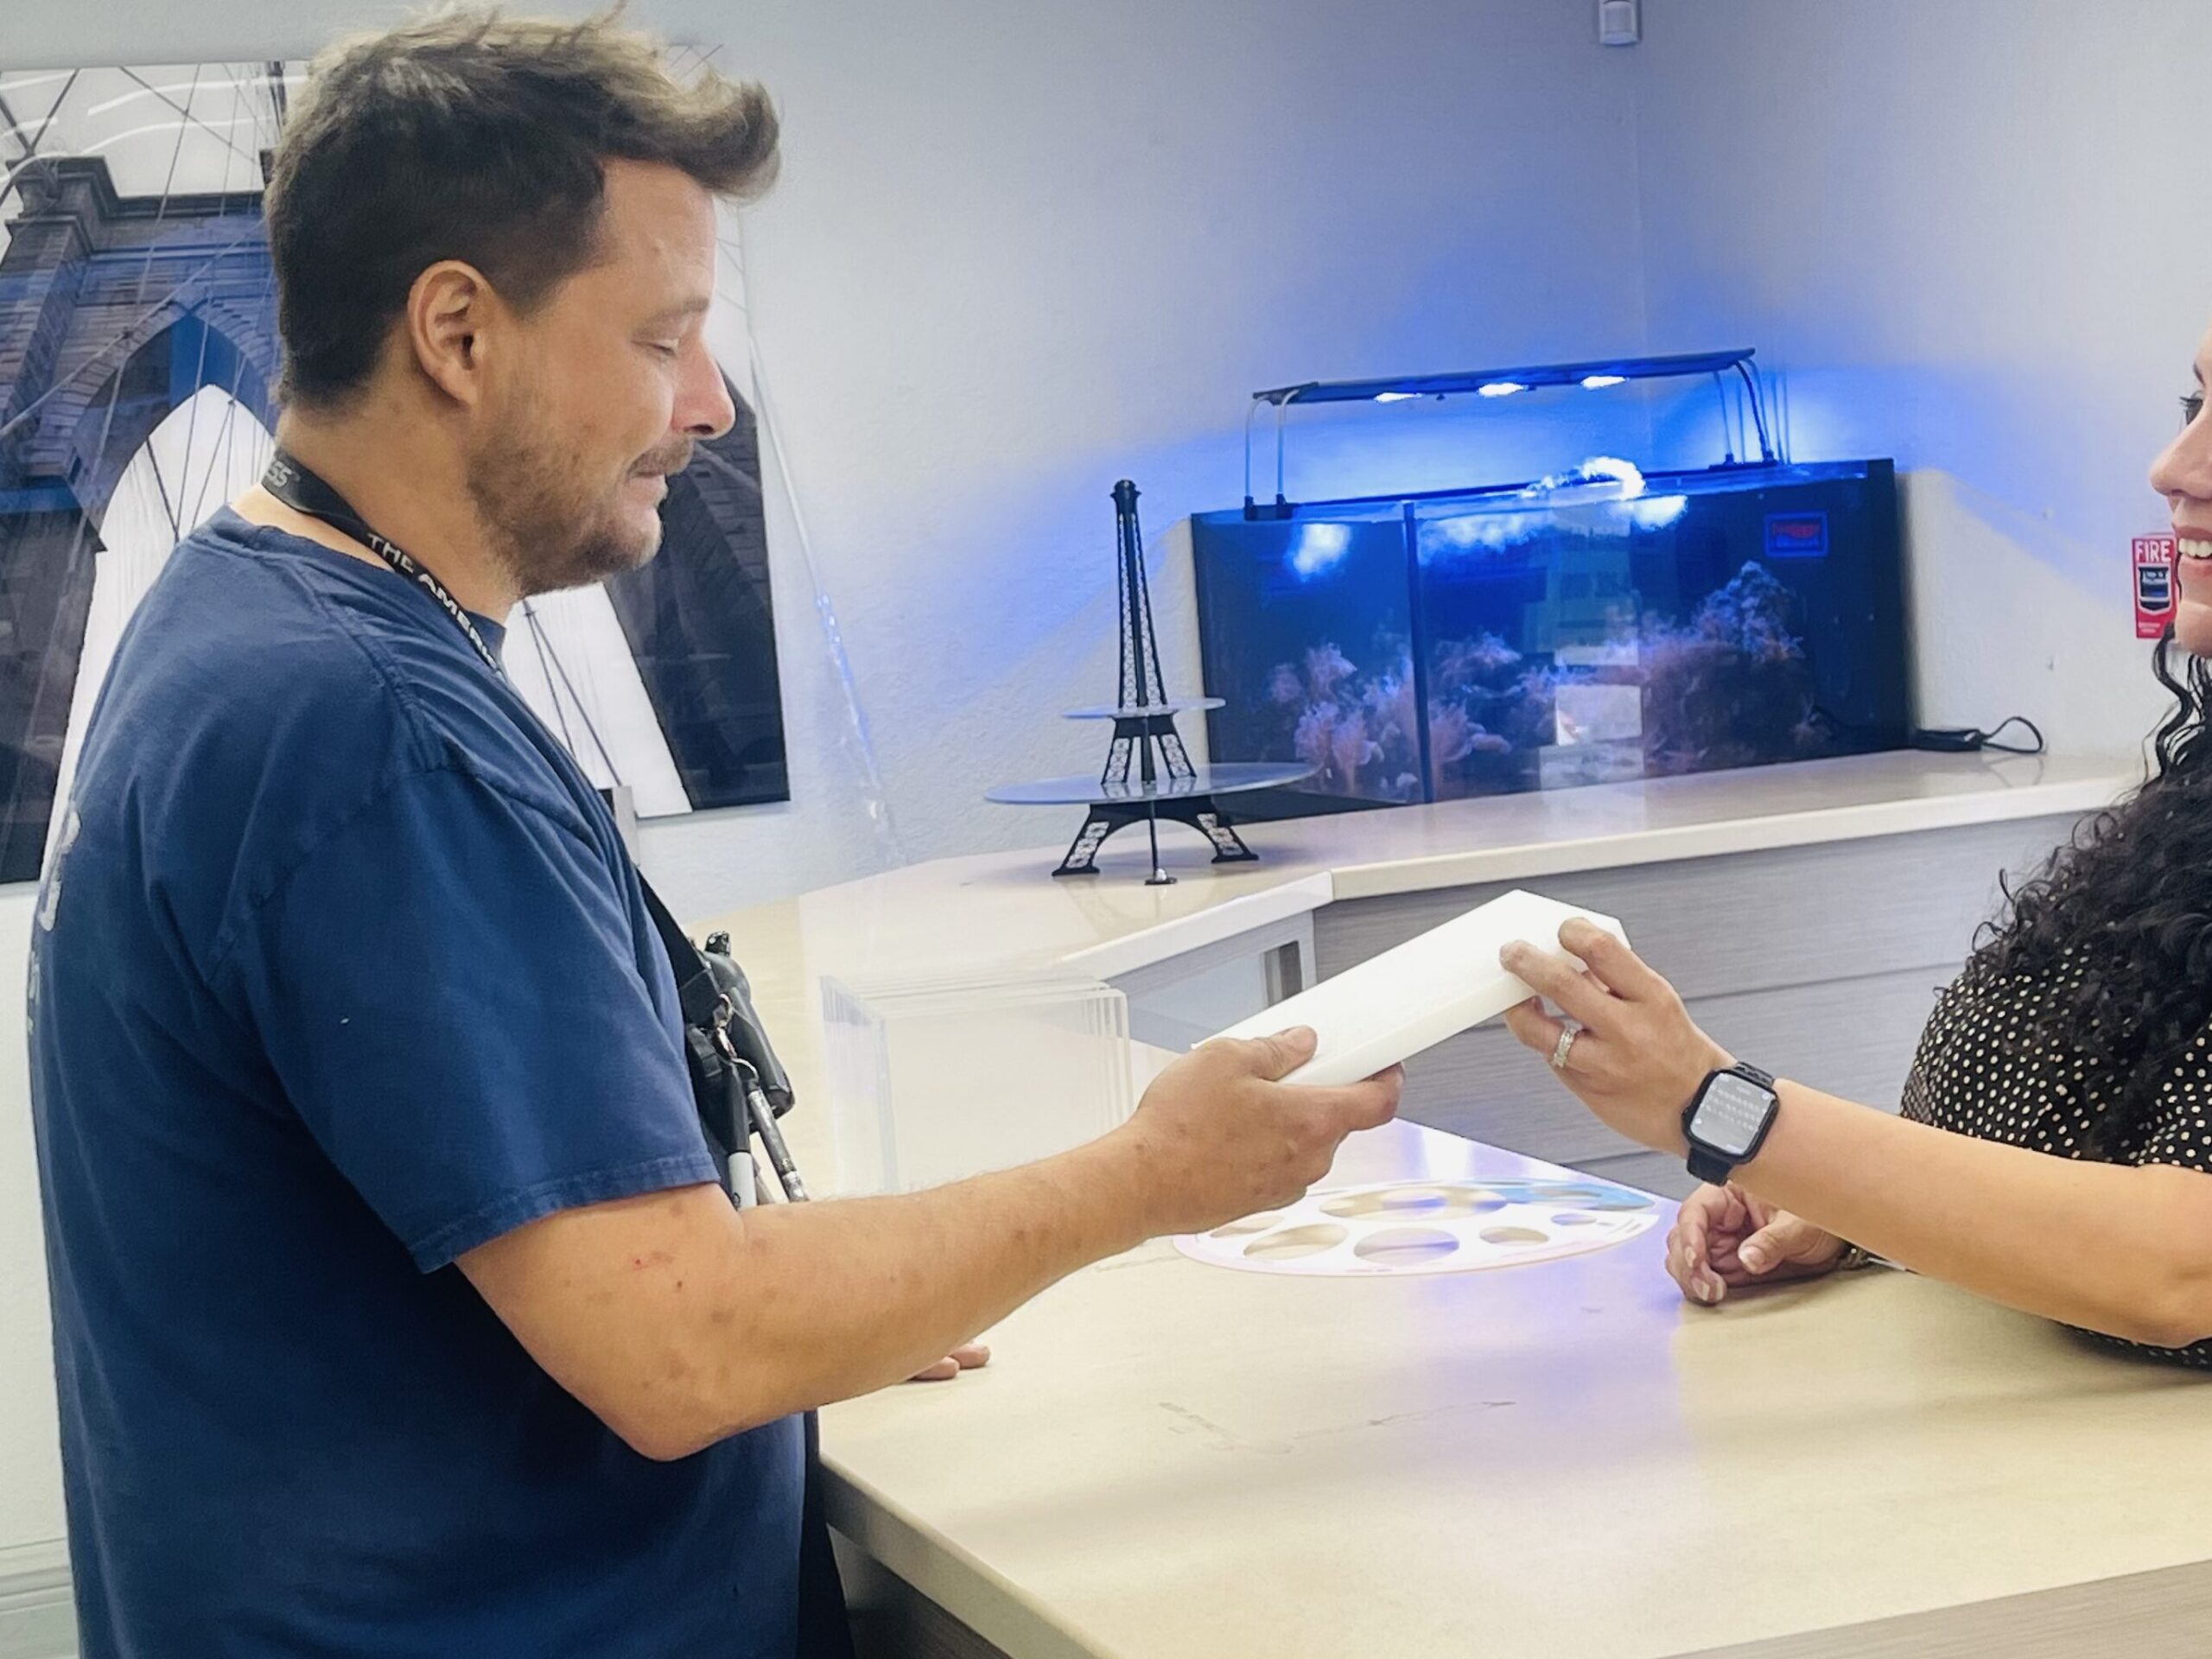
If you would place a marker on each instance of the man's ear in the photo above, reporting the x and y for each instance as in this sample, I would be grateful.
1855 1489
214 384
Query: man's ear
449 311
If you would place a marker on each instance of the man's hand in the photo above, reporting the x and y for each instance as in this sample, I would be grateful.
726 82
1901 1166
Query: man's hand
1725 1239
1639 1059
1217 1136
969 1356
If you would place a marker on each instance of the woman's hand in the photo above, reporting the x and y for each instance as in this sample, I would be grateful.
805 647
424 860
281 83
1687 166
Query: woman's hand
1725 1239
1639 1060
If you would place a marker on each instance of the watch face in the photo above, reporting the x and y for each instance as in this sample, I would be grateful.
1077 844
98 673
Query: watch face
1730 1116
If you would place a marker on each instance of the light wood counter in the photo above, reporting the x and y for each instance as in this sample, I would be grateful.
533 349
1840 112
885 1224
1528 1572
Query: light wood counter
1169 1460
1555 1460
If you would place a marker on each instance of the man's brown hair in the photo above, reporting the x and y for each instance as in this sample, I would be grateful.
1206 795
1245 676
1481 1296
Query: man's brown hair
469 135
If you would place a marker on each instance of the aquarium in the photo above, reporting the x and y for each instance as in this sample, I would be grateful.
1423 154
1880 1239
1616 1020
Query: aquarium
1593 627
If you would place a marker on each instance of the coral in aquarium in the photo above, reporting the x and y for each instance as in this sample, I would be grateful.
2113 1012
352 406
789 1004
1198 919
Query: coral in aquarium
1732 687
1484 698
1356 728
1729 686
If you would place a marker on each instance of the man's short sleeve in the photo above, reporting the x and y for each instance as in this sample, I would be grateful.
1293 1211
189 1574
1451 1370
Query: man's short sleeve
451 991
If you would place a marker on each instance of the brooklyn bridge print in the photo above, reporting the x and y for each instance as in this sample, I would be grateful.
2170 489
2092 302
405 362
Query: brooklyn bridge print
138 362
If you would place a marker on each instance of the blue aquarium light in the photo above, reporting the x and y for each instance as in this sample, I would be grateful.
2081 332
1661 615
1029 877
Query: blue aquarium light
1493 385
1491 382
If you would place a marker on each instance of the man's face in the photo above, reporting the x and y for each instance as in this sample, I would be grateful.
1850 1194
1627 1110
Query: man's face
610 385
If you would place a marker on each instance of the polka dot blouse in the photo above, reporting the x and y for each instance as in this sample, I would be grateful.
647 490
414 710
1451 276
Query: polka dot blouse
1986 1068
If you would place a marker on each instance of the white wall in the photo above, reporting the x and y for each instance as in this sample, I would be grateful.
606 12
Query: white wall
1020 252
1975 232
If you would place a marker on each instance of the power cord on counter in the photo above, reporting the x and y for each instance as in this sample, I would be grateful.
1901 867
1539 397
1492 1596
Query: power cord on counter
1961 740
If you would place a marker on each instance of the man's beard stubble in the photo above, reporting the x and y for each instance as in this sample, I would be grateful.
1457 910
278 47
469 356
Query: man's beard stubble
546 533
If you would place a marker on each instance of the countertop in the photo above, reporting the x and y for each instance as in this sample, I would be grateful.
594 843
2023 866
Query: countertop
993 911
1167 1458
1171 1460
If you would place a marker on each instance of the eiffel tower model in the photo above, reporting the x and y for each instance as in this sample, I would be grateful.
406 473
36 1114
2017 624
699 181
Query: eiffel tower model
1148 775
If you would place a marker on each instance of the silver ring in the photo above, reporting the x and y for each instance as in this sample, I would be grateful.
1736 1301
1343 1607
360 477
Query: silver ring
1560 1049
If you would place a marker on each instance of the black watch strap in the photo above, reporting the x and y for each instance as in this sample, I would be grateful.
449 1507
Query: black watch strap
1710 1167
1705 1164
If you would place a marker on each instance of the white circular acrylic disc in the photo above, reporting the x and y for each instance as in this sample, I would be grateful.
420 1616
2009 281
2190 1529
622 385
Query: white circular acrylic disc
1417 1227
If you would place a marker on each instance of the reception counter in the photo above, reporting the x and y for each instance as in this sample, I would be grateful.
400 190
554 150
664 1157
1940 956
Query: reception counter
1808 913
1167 1458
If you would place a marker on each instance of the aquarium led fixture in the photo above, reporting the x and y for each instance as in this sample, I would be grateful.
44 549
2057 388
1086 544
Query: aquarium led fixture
1492 384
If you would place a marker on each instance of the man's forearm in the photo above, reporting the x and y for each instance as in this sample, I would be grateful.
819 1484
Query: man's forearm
2111 1247
849 1296
679 1320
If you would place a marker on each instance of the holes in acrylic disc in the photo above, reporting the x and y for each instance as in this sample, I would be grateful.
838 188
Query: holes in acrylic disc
1258 1224
1405 1247
1294 1241
1411 1203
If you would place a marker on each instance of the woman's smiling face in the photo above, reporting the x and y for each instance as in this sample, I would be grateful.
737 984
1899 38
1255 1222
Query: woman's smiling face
2183 475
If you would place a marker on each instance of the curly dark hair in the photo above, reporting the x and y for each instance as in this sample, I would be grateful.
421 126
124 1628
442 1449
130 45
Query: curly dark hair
2129 898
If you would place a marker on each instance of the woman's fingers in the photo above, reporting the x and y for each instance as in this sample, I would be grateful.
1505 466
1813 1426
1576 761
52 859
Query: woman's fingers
1786 1240
1701 1249
1533 1028
1614 965
1551 975
1689 1254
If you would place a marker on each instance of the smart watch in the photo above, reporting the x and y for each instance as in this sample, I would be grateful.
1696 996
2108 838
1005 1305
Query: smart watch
1728 1121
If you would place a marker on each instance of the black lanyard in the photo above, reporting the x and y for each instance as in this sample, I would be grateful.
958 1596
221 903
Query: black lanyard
304 492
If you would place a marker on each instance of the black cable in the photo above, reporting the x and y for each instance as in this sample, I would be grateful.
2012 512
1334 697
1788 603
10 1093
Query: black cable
1988 737
1759 413
1965 739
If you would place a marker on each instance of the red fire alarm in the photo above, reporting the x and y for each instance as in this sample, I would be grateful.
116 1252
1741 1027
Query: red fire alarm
2154 584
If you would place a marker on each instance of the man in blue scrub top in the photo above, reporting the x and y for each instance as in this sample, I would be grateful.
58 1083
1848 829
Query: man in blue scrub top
396 1311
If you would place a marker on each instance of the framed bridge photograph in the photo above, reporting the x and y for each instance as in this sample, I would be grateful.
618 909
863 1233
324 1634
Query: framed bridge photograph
138 367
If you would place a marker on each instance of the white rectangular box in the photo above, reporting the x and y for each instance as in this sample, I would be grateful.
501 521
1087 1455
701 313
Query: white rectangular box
1414 996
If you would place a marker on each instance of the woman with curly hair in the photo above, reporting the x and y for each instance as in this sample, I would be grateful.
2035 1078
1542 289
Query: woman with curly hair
2056 1133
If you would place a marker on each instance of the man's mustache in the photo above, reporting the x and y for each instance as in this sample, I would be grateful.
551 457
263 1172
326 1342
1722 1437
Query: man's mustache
664 462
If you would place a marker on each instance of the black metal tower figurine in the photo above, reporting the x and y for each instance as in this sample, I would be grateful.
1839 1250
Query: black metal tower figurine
1148 775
